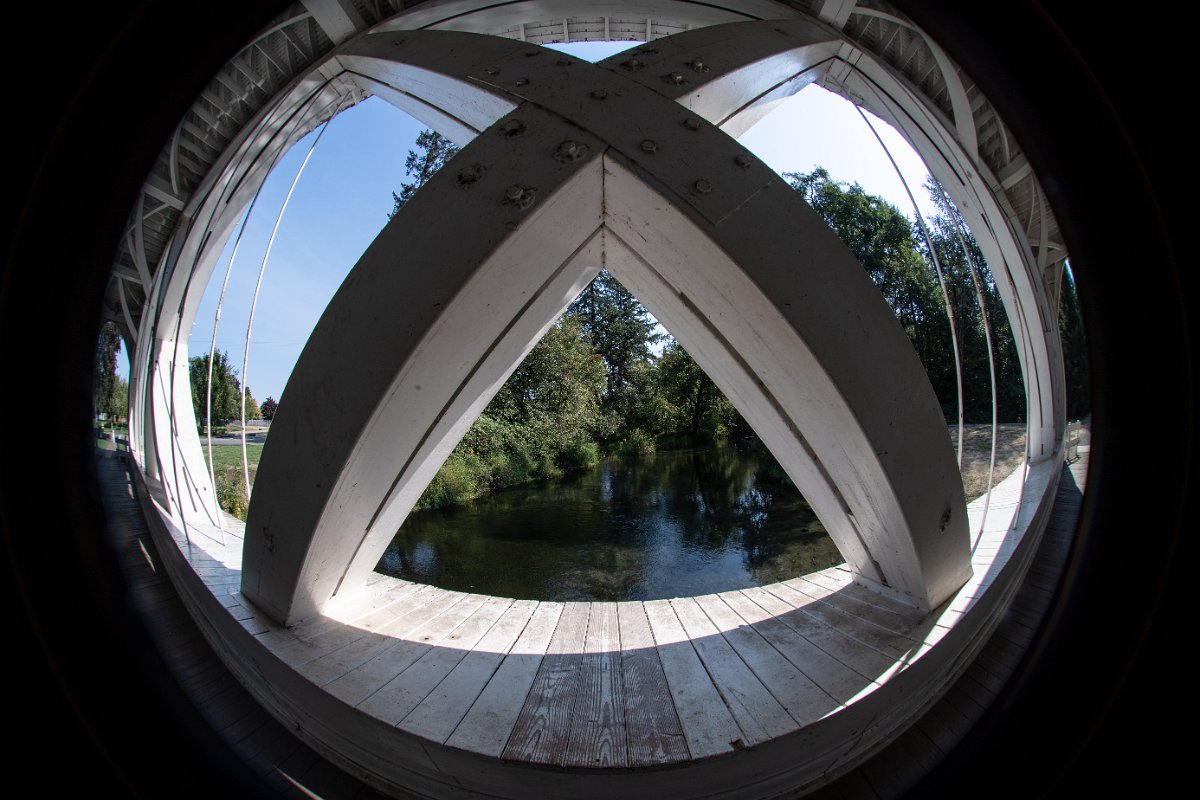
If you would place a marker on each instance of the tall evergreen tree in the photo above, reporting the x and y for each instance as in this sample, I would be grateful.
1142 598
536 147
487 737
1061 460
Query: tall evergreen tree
949 232
623 334
1075 358
226 393
108 346
432 153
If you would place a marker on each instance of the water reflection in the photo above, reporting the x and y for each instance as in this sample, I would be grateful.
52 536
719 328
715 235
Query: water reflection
674 524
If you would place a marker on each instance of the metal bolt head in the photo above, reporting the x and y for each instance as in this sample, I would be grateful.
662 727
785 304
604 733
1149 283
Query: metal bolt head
599 94
492 71
519 197
514 127
570 150
649 146
692 124
522 81
468 176
697 65
563 62
742 160
702 186
633 64
675 78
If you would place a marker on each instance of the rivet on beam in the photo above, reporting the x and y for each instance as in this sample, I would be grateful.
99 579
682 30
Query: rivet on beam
571 151
468 176
514 127
519 197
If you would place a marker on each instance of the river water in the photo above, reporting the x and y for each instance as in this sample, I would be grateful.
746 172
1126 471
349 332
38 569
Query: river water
673 524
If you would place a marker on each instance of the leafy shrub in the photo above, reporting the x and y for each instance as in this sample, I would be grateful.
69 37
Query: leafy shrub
578 455
636 443
231 491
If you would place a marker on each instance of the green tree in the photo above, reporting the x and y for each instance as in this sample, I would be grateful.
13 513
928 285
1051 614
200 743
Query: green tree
120 401
883 241
623 334
432 153
108 346
949 233
555 392
226 392
1075 360
699 411
537 426
252 409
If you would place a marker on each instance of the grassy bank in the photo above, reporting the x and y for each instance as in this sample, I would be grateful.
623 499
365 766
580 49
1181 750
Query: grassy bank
227 472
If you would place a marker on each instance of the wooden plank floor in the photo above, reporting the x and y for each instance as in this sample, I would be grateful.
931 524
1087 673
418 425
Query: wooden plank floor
285 766
610 684
896 770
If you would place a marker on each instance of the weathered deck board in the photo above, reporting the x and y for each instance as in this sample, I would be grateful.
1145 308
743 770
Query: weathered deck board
313 638
836 679
395 699
865 631
911 626
760 716
652 727
597 737
543 726
270 750
705 719
804 701
846 587
490 720
436 716
421 632
376 636
865 661
338 640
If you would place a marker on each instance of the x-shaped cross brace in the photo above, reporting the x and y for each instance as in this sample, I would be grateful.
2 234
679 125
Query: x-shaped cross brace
568 168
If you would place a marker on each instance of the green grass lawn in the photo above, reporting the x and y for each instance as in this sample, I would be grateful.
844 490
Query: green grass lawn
230 455
227 470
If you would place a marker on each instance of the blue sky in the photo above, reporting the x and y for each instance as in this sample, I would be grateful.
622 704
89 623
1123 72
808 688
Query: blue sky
342 200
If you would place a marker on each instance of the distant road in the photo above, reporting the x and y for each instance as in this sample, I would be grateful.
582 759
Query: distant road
251 438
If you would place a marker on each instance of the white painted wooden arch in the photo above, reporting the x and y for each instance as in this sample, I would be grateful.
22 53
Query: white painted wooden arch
579 167
161 426
950 147
162 421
